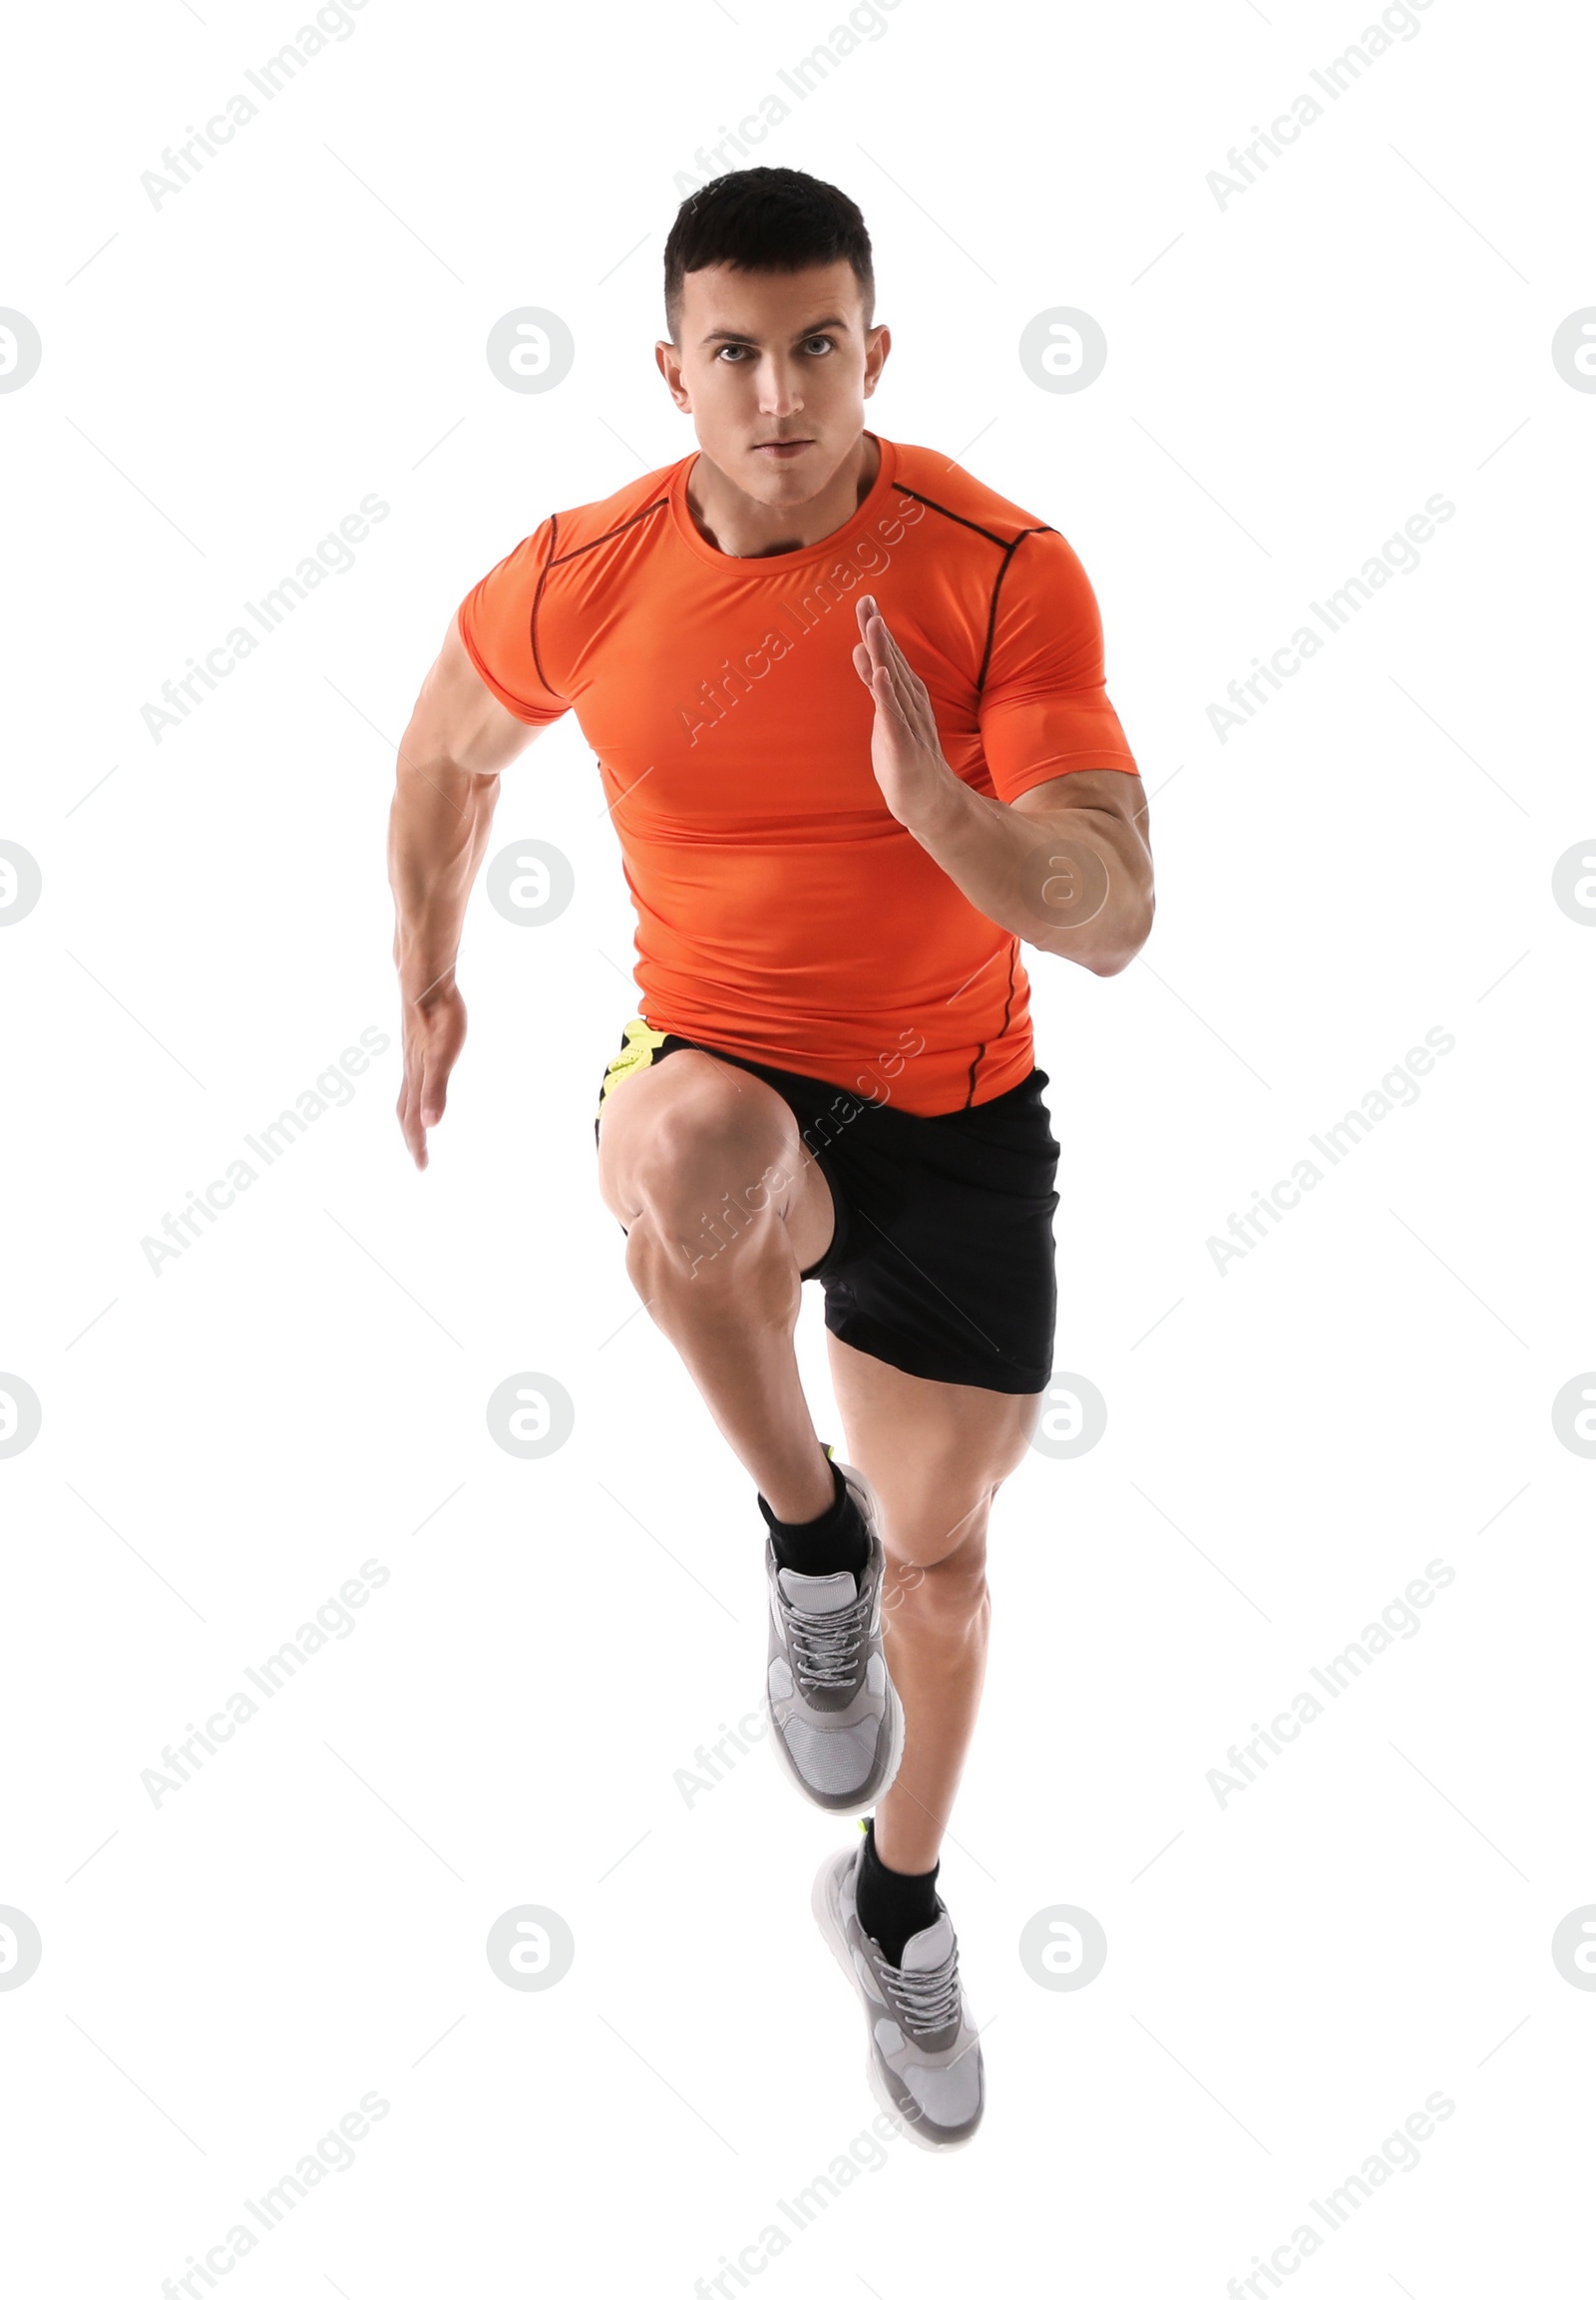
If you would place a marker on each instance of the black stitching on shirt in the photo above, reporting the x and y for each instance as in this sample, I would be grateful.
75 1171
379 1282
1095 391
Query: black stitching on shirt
931 505
1014 952
553 562
656 505
553 538
992 617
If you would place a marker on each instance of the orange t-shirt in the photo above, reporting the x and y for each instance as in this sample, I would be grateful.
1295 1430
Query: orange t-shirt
783 913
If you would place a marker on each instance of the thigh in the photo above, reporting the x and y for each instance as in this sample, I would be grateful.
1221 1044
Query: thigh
947 1271
934 1451
696 1141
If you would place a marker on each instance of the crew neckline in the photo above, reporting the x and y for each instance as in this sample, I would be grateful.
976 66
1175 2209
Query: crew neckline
838 540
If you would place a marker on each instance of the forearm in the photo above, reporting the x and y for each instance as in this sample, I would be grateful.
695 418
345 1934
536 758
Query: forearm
437 834
1075 882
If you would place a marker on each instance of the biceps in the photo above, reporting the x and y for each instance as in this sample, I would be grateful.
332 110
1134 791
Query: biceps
458 717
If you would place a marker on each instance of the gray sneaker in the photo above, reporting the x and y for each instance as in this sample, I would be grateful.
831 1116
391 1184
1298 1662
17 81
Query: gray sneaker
925 2056
837 1723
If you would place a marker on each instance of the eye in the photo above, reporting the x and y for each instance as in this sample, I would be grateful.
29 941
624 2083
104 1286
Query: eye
725 347
827 341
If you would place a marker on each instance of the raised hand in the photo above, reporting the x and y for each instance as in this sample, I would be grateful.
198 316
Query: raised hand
905 747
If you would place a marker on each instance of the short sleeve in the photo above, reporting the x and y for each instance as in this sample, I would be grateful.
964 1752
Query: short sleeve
1045 710
498 624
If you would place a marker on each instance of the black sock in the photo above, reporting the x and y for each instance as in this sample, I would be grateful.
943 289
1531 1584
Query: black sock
892 1903
834 1542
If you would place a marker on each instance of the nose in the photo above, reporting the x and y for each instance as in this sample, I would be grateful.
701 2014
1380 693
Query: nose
781 390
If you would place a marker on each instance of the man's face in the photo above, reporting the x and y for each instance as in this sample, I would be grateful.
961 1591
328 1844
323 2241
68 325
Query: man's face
768 357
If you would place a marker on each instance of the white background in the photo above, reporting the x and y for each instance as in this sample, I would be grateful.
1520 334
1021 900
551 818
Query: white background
1288 1443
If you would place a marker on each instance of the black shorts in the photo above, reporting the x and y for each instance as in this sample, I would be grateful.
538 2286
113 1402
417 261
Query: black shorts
942 1261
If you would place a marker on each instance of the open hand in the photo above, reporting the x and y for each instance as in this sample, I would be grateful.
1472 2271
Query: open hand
905 747
434 1031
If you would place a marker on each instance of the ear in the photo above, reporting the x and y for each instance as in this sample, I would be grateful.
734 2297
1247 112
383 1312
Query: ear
669 361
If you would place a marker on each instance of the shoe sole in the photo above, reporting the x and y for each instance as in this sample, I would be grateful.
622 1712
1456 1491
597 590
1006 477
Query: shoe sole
822 1903
895 1715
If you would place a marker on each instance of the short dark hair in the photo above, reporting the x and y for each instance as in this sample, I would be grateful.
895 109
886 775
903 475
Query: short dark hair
767 219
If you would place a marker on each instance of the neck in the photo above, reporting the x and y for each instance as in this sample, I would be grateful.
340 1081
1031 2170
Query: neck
734 523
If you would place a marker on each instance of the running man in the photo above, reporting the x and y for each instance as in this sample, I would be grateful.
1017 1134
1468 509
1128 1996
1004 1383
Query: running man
849 712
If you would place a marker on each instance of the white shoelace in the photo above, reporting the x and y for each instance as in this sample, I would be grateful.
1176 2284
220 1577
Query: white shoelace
926 2001
825 1646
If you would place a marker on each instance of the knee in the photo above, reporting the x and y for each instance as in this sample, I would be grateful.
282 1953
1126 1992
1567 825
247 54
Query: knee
711 1170
938 1574
944 1601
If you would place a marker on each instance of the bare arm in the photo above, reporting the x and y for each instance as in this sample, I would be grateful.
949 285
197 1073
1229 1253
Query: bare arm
459 740
1066 866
